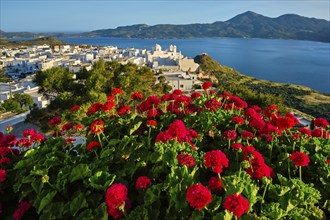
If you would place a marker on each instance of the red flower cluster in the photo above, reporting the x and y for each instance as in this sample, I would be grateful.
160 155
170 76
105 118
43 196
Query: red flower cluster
21 210
215 184
136 96
108 106
97 127
3 175
94 108
186 159
259 167
4 160
55 121
116 198
177 131
67 126
271 111
123 110
237 204
299 159
142 182
212 104
236 146
152 123
216 159
237 120
229 134
116 91
247 134
284 123
206 85
92 145
321 122
75 108
198 196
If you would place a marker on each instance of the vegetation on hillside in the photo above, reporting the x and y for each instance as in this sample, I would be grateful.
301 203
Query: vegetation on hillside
262 92
64 90
38 41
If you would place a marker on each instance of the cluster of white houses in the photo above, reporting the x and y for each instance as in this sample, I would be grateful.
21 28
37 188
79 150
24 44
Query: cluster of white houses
22 63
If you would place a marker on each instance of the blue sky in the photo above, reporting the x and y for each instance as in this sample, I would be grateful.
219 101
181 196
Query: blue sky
76 15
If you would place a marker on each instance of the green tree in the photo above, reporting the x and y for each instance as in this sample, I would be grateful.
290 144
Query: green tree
12 105
23 99
54 81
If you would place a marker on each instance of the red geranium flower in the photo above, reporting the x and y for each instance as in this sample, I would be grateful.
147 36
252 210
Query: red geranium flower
75 108
237 120
237 146
142 182
108 106
206 85
116 91
152 123
230 134
177 92
237 204
70 140
55 121
299 159
284 123
195 95
4 160
215 184
198 196
216 159
186 159
247 134
116 197
67 126
97 127
21 210
79 127
123 110
92 145
29 132
321 122
136 95
3 175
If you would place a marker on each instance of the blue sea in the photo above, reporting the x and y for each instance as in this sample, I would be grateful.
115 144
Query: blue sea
289 61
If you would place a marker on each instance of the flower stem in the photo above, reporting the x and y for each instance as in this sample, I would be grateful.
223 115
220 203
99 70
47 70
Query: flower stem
264 193
300 173
237 164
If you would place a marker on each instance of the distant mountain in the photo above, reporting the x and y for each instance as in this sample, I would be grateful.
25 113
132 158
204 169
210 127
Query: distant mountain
38 41
246 25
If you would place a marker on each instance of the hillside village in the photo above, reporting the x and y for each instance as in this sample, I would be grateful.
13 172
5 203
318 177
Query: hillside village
22 63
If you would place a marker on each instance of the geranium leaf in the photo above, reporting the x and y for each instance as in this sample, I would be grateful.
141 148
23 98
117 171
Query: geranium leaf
46 200
78 203
79 172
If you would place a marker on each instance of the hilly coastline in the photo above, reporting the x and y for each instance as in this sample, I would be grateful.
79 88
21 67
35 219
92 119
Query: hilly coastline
245 25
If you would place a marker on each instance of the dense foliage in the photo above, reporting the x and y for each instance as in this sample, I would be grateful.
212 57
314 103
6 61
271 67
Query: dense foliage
203 156
66 89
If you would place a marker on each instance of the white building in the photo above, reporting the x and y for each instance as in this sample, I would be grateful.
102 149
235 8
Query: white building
180 80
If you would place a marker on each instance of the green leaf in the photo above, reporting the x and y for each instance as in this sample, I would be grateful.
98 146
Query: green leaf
101 212
46 200
101 180
78 203
135 127
37 185
80 172
107 152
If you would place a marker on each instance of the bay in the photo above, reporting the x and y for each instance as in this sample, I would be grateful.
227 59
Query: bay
289 61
